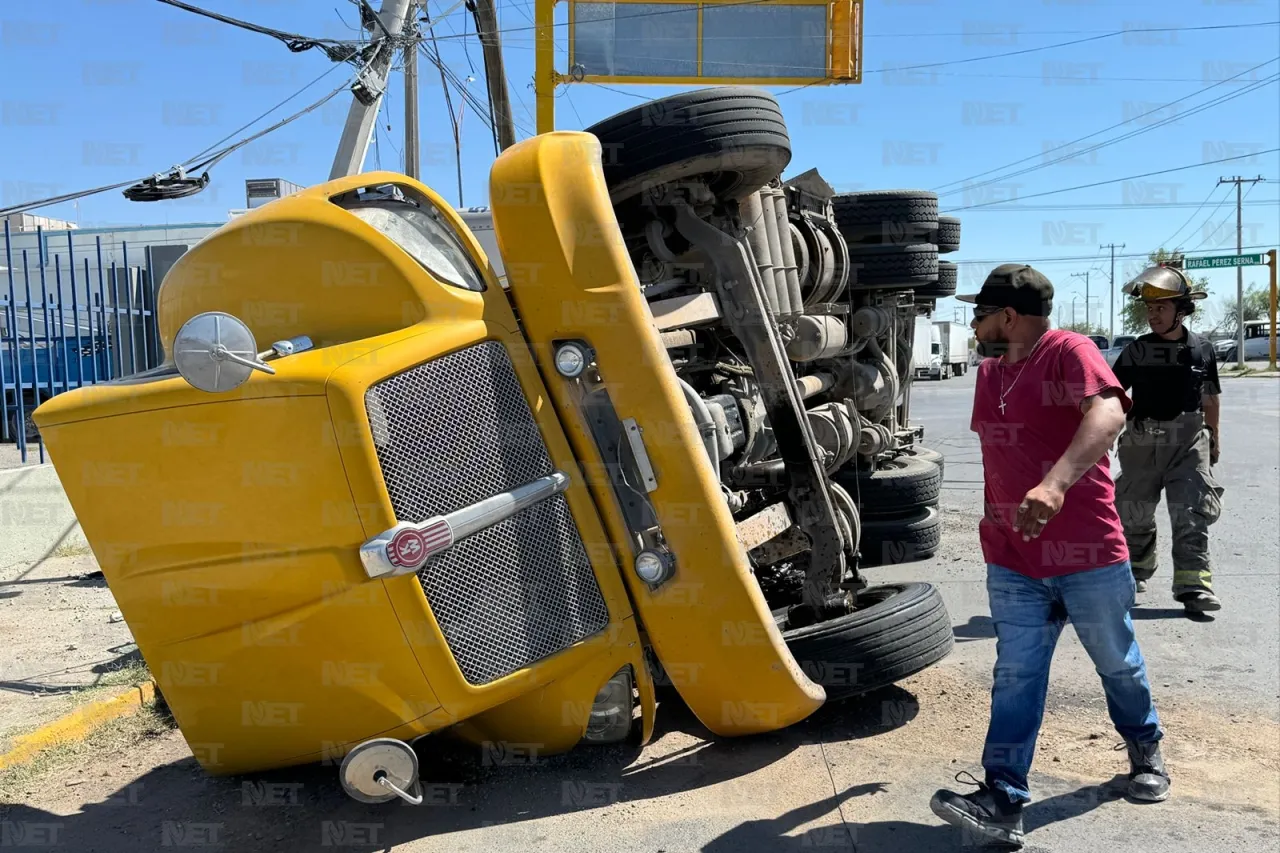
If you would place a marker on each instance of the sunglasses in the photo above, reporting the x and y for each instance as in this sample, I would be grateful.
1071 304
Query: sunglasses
980 311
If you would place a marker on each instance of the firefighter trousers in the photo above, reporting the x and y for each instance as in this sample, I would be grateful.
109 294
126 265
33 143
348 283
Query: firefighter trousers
1173 457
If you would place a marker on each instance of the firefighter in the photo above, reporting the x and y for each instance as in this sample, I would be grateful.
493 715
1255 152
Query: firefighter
1171 439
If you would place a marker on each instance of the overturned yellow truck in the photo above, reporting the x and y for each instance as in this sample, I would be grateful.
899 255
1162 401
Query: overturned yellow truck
433 502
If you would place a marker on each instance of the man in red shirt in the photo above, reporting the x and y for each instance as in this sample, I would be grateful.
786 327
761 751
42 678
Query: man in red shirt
1047 409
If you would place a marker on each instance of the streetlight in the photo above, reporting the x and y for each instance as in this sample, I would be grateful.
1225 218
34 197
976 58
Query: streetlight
1086 298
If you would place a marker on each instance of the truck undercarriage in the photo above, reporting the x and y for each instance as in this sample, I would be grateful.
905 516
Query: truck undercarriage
788 312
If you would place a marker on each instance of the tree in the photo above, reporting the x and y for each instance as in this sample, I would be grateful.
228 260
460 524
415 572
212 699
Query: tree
1257 306
1134 312
1087 329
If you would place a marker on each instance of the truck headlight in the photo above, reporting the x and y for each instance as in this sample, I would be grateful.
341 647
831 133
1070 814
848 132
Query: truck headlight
654 567
610 720
571 360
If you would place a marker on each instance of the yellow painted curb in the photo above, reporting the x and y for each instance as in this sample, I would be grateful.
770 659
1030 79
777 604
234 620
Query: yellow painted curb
80 723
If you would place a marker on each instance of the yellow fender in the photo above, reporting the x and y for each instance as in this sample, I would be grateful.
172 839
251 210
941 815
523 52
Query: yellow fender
571 278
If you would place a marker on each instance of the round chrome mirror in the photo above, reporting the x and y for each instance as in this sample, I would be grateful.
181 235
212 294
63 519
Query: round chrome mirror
380 770
216 352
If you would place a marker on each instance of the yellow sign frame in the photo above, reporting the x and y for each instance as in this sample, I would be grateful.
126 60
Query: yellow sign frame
843 61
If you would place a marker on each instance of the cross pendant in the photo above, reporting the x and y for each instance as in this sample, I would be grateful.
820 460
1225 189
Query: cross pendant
1002 405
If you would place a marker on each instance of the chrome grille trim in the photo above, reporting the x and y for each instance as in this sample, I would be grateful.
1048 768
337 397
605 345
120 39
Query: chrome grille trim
450 433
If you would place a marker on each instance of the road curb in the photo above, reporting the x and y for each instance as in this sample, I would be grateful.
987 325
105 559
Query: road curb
80 723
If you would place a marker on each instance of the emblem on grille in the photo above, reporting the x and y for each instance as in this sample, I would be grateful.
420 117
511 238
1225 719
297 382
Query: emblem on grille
405 547
410 547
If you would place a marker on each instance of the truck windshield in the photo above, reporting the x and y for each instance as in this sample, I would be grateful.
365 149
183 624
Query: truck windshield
420 230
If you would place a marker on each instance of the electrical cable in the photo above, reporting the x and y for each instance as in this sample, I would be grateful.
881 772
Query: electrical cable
1099 34
1079 258
1215 232
335 49
1130 120
617 91
1169 240
469 98
1150 205
1125 137
493 120
455 119
176 183
249 124
572 106
1209 218
1117 180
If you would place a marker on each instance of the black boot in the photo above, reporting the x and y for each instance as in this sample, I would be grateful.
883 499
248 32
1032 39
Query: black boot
986 812
1148 779
1200 601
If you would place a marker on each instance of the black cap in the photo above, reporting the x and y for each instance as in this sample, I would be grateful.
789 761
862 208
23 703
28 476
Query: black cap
1015 286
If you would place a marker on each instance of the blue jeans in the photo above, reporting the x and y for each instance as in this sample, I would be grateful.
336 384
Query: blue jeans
1028 616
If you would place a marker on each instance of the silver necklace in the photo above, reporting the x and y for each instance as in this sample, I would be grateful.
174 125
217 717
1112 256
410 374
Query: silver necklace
1026 363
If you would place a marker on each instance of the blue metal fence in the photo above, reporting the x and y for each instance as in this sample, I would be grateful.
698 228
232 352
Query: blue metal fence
74 330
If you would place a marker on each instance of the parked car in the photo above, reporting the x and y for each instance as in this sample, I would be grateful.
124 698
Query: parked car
1101 341
1112 352
1257 343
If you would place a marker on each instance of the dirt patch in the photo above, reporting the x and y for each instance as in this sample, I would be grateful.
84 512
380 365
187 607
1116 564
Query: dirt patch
1212 755
99 762
60 633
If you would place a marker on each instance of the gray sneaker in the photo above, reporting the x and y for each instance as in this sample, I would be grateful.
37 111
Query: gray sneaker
985 814
1140 586
1148 779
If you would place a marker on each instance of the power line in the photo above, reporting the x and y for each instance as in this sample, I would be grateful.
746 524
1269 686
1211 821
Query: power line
154 186
249 124
1169 240
337 50
1056 45
1124 137
1150 205
1117 180
1217 231
1098 34
1130 120
619 91
1208 219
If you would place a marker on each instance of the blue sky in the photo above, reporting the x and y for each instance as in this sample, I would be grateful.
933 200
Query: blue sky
101 91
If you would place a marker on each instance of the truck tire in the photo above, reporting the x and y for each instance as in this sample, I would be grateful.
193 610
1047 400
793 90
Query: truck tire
903 485
947 237
891 217
900 630
945 285
16 424
732 136
919 451
893 266
891 541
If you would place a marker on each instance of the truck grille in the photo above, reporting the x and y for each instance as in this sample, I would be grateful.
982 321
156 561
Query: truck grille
454 431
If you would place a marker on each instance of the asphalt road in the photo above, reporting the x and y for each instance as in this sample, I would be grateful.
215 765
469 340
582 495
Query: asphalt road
854 776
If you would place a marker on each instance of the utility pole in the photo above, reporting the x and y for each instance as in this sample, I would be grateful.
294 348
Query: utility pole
1112 324
412 147
495 73
1086 298
368 91
1239 181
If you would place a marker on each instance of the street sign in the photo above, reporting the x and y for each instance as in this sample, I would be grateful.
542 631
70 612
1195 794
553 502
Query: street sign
1217 261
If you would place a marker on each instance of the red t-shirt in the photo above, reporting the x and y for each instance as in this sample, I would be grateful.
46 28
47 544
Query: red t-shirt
1042 396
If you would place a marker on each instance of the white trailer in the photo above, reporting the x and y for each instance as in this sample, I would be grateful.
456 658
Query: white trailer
925 360
953 348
